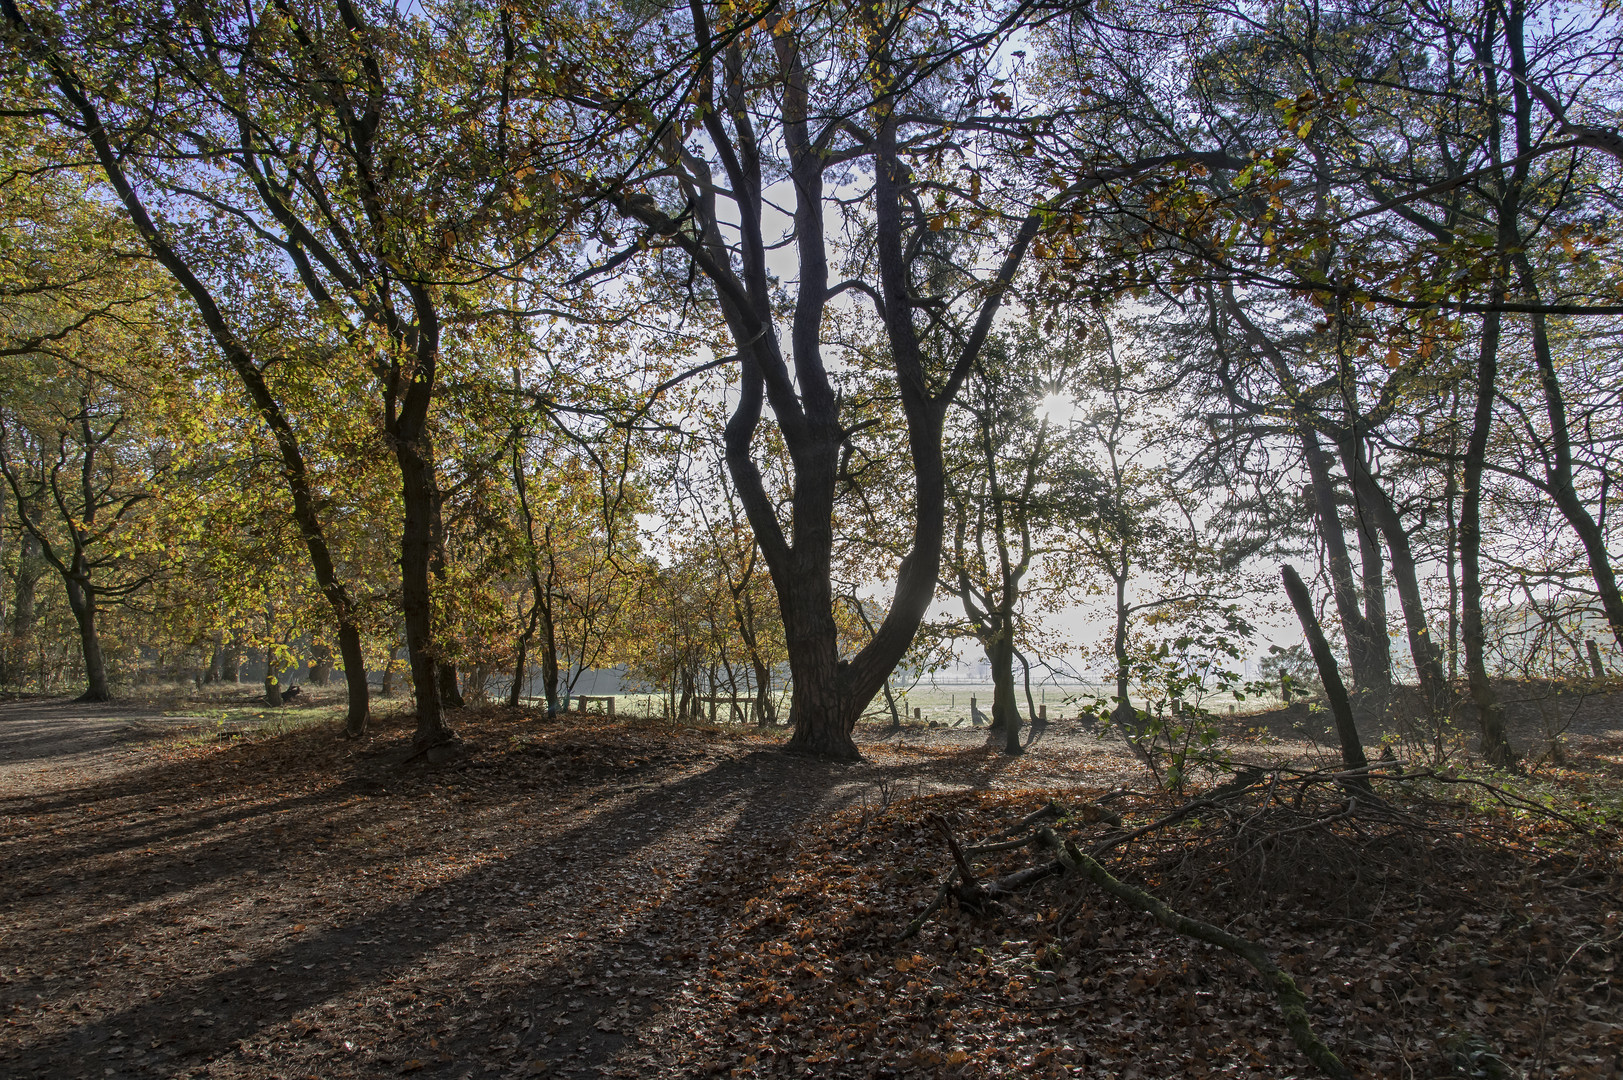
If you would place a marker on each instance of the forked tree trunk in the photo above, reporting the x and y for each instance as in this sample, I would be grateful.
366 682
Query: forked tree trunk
763 692
1367 649
521 657
1423 647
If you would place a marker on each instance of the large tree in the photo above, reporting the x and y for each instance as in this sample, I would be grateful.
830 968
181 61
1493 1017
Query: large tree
869 126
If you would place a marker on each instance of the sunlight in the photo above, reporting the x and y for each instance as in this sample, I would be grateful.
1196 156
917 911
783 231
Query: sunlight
1056 408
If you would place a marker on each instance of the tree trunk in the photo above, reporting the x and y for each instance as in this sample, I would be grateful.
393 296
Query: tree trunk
1005 707
763 692
1039 719
216 668
521 657
1377 695
822 710
1423 647
450 689
450 686
416 601
549 658
31 567
1596 667
1366 643
82 600
1124 715
321 665
1490 713
273 688
1352 747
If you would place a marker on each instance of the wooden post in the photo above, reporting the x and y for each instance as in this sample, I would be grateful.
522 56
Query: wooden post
611 706
918 713
1042 714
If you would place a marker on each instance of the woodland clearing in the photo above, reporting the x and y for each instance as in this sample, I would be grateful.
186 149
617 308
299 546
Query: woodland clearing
581 898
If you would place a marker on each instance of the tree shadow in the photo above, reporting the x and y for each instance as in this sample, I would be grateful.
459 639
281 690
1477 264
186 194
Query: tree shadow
471 941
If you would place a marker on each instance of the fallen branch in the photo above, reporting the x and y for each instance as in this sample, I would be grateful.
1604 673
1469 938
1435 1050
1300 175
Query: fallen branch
935 905
1291 1001
1243 782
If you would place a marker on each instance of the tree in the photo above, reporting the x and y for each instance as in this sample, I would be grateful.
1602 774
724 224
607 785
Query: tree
1016 490
867 100
79 463
363 153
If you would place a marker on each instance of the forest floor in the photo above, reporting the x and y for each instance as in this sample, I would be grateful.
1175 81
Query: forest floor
210 896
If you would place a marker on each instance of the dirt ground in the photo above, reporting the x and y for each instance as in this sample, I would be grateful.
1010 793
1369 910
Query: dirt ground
584 899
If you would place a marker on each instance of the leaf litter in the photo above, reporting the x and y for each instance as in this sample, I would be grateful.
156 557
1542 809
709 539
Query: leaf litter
582 898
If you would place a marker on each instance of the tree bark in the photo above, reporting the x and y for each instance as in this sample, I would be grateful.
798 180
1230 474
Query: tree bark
321 666
763 692
521 657
450 687
416 600
1124 715
82 601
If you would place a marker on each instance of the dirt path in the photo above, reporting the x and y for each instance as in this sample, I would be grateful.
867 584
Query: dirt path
46 744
